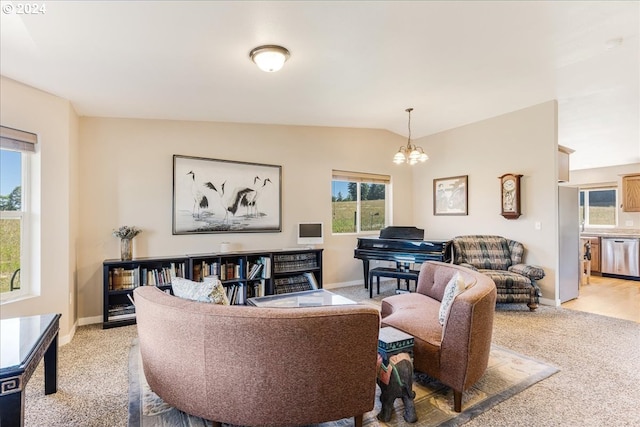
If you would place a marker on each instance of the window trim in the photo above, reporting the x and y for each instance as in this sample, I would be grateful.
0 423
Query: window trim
586 190
25 143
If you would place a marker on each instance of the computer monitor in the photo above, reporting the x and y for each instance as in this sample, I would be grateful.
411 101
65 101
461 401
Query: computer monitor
310 233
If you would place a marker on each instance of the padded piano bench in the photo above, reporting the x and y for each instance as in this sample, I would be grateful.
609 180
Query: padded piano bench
394 273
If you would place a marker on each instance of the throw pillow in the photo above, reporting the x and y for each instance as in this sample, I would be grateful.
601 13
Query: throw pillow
455 286
208 291
218 293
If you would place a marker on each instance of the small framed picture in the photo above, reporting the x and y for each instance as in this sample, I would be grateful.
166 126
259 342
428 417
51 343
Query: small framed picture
450 195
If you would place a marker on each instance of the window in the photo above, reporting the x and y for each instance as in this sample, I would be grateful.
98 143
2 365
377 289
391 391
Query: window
359 202
598 207
15 149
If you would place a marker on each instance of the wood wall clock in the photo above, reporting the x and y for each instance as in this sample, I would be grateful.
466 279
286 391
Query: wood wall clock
510 196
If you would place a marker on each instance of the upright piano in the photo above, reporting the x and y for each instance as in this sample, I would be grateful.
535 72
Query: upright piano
402 245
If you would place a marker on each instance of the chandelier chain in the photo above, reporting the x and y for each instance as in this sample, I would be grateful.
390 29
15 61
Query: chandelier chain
410 154
409 110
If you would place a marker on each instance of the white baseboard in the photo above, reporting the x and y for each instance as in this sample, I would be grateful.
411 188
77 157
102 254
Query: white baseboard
66 339
551 302
342 284
89 320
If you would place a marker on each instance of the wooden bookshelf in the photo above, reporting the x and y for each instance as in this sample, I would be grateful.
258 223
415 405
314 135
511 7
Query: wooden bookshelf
244 274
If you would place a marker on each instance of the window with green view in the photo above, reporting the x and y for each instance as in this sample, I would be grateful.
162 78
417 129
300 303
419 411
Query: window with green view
10 219
359 202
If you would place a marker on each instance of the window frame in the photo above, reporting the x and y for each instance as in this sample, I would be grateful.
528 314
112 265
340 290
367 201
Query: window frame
24 143
585 216
363 178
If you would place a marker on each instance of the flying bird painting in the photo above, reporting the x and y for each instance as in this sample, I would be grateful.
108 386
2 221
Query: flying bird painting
224 196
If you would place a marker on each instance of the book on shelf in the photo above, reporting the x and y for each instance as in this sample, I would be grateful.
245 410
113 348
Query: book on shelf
311 278
266 267
235 294
206 269
197 272
122 316
255 270
295 262
285 285
122 278
121 311
163 276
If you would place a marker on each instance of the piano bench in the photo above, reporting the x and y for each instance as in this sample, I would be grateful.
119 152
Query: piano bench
393 273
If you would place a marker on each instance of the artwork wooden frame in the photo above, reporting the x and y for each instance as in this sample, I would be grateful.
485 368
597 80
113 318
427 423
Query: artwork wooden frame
450 195
225 196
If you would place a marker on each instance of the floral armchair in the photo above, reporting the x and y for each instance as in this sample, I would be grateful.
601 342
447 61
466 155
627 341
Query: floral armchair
500 259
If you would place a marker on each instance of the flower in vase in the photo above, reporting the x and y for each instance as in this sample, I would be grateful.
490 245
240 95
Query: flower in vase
126 232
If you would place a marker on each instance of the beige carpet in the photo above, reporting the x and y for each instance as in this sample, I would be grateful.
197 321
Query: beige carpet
508 373
598 383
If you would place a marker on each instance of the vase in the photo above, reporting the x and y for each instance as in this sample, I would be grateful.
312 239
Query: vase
126 249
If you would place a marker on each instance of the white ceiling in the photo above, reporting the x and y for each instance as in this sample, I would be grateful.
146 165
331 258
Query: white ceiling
353 64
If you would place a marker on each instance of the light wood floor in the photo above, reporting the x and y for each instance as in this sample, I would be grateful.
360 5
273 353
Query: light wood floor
609 297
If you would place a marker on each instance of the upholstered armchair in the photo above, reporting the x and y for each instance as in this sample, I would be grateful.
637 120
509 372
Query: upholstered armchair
455 350
502 260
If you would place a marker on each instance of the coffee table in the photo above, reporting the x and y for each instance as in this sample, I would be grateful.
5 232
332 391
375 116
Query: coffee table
312 298
24 342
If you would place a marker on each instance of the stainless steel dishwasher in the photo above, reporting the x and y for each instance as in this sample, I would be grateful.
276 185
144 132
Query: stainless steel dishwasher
620 256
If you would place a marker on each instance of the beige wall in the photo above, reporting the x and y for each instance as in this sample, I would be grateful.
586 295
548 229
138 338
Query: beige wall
54 121
522 142
126 179
98 174
609 176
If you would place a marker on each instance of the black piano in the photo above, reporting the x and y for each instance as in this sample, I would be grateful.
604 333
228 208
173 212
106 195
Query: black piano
402 245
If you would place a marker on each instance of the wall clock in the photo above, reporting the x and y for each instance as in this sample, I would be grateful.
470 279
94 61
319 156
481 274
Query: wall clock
510 196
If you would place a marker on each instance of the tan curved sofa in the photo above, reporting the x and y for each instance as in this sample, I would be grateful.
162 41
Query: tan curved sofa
255 366
457 356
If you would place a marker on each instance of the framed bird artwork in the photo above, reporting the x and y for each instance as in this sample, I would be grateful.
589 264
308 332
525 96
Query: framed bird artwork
225 196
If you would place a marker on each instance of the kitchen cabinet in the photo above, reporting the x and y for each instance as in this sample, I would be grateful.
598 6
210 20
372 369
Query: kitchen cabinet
563 163
631 193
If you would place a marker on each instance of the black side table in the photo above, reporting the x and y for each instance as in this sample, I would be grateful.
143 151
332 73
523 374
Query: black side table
24 342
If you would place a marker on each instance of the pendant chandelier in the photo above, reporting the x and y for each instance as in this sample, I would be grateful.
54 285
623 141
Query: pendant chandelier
411 154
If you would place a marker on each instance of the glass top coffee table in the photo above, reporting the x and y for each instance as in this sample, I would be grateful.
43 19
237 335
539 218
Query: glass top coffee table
312 298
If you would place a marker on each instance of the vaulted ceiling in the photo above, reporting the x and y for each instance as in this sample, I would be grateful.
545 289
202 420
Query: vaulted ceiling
353 63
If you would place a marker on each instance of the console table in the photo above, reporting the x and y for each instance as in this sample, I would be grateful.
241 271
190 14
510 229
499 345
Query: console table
24 341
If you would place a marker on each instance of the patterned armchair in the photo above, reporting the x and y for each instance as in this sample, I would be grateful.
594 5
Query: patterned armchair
500 259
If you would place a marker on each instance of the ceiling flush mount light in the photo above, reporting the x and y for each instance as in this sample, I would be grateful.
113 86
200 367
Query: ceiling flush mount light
269 58
411 154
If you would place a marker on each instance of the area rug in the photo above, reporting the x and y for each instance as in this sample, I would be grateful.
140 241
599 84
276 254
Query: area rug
508 373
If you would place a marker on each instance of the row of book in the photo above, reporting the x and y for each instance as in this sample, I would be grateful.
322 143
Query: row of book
295 257
121 312
303 282
121 278
241 269
236 292
285 266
